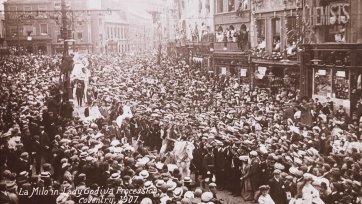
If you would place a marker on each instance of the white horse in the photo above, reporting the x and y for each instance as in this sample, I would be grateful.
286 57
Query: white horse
182 153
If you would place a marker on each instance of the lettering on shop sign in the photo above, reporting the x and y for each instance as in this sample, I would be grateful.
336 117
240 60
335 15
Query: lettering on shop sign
333 14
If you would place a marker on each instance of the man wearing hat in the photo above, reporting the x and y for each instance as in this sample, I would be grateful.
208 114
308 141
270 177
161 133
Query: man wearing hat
208 165
196 162
5 196
220 164
141 149
277 188
23 163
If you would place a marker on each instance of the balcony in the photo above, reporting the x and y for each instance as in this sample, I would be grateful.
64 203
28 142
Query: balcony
34 37
230 47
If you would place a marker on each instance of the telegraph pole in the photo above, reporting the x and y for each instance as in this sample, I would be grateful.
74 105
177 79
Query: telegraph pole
156 20
64 27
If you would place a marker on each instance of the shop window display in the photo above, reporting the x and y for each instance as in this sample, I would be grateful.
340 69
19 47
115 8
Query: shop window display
341 84
322 82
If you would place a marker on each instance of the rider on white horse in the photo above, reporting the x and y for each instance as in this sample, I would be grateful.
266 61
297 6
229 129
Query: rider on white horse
180 154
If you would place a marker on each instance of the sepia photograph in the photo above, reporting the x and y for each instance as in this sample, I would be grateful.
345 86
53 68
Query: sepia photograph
180 101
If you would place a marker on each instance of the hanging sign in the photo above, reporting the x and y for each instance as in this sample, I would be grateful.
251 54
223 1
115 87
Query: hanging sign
223 70
243 72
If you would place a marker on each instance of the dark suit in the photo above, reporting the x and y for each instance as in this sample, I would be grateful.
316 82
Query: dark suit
277 191
196 163
220 164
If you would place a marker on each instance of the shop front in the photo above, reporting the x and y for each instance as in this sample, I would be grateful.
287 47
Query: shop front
233 64
334 71
182 53
276 74
200 56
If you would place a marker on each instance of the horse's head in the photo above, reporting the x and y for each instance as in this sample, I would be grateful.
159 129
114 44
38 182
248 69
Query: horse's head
189 148
183 149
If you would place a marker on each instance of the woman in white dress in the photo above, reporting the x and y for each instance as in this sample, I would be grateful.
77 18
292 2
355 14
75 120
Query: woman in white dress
309 193
265 198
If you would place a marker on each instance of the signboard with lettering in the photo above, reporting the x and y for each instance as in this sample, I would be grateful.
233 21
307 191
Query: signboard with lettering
335 13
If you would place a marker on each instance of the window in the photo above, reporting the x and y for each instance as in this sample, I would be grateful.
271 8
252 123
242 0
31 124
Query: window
260 29
57 5
207 6
276 27
322 82
243 4
335 33
220 6
13 8
28 30
42 11
291 28
13 31
27 10
59 38
276 34
200 6
43 29
231 5
100 21
80 36
340 84
108 34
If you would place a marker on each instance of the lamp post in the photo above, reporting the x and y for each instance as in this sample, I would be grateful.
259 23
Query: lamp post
64 28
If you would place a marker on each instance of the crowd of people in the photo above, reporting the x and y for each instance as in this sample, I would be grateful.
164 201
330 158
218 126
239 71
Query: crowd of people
280 148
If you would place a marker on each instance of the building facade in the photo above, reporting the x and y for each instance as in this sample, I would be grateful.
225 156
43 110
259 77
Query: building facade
28 27
2 30
141 31
34 26
116 34
110 30
332 52
275 40
231 38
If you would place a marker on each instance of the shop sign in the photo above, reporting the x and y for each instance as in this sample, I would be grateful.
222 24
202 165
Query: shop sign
333 14
341 74
322 72
243 72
